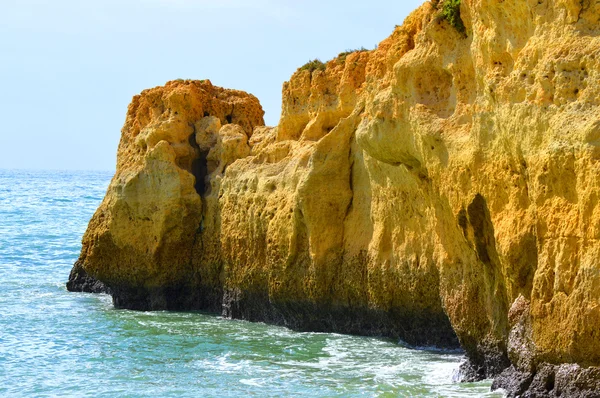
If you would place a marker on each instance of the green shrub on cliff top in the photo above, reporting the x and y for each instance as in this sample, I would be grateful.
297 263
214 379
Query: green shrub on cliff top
313 65
451 13
342 56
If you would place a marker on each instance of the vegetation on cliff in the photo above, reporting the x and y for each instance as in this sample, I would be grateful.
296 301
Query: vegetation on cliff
451 12
313 65
343 55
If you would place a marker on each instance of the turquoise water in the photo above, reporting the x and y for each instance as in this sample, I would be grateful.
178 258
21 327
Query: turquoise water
55 343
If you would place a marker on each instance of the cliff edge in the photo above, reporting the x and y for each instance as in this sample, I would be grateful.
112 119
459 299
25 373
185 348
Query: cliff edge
443 189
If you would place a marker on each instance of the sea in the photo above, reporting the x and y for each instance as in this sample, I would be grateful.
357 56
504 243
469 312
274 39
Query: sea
59 344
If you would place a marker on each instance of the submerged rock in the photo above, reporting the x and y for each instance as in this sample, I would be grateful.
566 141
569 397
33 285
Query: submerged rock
442 189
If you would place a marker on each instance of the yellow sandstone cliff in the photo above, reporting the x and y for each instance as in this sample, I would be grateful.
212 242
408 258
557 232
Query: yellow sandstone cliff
443 188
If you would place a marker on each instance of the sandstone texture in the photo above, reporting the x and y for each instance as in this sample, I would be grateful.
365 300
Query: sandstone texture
443 189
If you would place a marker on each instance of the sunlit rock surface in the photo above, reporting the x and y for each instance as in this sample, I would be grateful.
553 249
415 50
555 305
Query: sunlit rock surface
442 189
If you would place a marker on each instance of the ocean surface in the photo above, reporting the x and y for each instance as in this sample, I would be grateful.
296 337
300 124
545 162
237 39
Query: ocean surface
56 343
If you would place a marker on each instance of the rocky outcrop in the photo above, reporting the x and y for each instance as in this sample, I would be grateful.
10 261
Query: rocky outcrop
141 238
442 189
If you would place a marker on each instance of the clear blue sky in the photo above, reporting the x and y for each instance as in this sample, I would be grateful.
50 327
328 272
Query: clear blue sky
68 68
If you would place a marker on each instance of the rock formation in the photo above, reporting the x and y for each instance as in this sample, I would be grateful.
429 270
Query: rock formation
443 189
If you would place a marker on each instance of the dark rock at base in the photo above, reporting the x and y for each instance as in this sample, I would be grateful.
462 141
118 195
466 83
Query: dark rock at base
422 329
566 380
167 298
416 329
514 382
482 363
469 372
80 281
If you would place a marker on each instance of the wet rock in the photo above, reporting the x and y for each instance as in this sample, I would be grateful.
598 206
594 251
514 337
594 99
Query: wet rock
566 380
80 281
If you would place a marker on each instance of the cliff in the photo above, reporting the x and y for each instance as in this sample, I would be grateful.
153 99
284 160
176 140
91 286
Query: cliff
442 189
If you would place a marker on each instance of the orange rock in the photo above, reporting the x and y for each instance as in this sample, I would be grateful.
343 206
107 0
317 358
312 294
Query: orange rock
141 237
417 190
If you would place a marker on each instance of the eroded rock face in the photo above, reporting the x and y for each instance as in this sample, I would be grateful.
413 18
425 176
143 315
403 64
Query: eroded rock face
140 240
442 189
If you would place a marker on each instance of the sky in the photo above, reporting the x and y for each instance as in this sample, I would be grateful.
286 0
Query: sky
69 68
